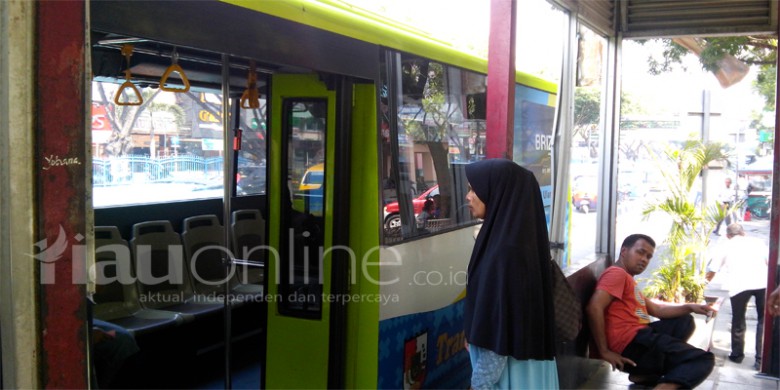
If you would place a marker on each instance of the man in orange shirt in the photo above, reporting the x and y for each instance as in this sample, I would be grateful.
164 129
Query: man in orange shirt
624 335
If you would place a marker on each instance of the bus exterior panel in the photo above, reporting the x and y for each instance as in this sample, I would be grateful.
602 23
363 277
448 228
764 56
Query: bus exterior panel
421 334
368 27
405 333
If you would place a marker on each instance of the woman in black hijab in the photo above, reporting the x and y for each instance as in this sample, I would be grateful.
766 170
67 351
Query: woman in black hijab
509 309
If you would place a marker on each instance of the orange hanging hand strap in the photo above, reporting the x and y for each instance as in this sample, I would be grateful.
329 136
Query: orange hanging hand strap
250 98
175 68
128 88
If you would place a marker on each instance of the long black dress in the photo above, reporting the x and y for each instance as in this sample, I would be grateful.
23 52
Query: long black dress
509 307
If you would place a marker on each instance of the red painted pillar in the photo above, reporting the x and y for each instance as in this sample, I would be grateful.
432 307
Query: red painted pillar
501 79
61 188
774 230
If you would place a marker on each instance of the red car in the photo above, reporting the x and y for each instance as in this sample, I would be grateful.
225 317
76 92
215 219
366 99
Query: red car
393 219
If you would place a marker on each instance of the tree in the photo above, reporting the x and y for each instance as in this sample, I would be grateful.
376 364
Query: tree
759 52
432 124
587 115
587 111
123 120
681 276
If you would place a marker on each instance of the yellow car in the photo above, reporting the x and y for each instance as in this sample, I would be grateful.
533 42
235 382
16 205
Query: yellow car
313 178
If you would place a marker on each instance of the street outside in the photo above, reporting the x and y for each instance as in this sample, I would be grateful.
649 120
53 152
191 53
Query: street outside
630 221
727 374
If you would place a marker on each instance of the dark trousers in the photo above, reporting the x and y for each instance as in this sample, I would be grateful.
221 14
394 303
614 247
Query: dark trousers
728 217
739 304
661 349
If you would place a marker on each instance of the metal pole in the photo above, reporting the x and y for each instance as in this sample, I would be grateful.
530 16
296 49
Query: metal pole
227 181
562 147
705 137
501 73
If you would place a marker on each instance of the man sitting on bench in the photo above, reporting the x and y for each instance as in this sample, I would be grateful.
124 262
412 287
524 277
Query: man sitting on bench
619 317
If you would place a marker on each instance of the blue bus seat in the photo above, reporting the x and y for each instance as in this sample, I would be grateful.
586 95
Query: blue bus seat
116 294
163 276
204 247
248 236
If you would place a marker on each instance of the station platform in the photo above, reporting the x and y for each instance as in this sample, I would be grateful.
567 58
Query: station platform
726 374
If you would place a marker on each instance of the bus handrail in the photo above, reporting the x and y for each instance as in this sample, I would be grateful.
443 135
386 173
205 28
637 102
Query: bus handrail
127 52
174 67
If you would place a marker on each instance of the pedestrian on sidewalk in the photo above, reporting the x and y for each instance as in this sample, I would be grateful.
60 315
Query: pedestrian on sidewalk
726 198
744 260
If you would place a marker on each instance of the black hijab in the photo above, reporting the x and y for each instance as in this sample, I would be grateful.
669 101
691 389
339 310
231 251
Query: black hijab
509 306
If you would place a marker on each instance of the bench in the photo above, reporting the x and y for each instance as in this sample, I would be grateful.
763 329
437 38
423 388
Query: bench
575 366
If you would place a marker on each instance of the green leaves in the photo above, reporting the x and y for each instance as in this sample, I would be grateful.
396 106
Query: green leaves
681 276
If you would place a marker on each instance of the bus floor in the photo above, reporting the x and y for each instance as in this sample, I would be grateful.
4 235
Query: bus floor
192 356
245 366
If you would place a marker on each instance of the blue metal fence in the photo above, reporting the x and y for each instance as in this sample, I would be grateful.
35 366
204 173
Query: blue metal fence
144 169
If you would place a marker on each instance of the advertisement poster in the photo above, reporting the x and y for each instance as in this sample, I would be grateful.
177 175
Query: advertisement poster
534 120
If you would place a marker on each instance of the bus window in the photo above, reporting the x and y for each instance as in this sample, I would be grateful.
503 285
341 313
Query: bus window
305 127
439 126
251 165
168 149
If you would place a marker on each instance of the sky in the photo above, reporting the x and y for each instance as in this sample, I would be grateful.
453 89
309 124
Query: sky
539 28
466 22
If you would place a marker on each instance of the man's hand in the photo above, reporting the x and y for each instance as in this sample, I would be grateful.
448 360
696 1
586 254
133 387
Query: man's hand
616 360
773 302
701 308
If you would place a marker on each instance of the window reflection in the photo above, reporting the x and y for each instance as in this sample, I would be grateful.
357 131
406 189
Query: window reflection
439 126
587 129
305 127
252 159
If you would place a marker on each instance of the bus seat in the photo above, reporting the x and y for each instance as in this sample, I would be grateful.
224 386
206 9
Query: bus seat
248 228
163 275
204 237
115 301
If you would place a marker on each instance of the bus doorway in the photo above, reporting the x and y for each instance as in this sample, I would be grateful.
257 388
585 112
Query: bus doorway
299 341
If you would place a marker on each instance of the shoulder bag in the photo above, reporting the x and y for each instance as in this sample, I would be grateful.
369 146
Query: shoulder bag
568 310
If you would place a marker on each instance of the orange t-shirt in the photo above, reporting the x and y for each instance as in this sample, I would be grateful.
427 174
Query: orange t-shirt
627 313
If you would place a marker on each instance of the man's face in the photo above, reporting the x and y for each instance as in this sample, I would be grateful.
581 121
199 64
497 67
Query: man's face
636 258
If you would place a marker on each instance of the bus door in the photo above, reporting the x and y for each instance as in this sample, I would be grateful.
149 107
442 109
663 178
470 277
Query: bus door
303 123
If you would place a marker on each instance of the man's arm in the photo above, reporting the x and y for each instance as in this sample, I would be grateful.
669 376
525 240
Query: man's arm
715 264
595 310
671 310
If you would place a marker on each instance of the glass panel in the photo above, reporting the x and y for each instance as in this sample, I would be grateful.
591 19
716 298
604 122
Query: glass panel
541 28
252 168
301 283
167 149
534 121
584 157
440 127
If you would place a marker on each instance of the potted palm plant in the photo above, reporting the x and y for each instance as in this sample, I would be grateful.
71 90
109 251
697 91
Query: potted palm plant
680 278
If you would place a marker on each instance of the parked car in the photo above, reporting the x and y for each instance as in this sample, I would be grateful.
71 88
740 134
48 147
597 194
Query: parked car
583 193
250 180
392 216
